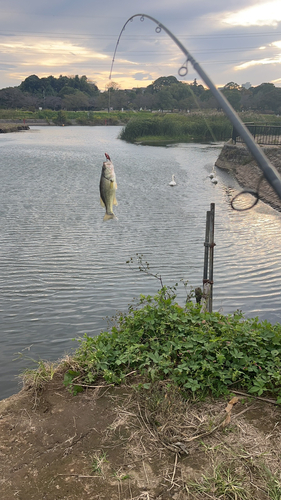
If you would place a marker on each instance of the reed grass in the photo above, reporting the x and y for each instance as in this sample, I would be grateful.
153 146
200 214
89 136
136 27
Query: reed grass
178 128
193 127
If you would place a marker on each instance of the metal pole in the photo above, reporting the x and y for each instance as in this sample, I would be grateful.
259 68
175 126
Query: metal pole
212 245
208 271
206 244
206 285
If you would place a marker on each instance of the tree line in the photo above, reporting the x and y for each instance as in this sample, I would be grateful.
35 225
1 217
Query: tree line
166 93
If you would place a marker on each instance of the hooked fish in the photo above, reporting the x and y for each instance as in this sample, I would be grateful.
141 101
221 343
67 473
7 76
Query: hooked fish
108 188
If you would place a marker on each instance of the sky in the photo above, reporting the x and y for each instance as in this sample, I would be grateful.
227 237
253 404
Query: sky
233 41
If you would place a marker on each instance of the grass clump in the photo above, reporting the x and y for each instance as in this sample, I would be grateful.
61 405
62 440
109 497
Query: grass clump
98 461
44 373
202 353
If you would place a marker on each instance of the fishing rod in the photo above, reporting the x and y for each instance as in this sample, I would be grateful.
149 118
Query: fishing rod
269 171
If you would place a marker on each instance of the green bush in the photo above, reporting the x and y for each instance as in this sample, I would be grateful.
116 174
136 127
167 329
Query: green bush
200 352
61 118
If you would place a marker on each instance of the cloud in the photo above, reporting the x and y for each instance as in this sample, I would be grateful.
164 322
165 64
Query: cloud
57 48
66 37
142 76
277 44
259 62
261 14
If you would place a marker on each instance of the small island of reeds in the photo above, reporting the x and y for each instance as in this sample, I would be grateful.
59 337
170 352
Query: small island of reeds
163 128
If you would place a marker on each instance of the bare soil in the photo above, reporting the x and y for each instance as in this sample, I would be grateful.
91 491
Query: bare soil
127 443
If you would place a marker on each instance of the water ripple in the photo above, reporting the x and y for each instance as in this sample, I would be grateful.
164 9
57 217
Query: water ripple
63 271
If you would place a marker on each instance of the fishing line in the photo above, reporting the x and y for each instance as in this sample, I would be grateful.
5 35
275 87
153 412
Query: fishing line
180 72
269 171
238 198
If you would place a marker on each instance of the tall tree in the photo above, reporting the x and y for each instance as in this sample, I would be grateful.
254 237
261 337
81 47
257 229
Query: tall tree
163 81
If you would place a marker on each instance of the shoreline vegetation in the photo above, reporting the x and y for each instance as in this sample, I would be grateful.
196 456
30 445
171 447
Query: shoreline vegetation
168 401
63 118
162 129
144 127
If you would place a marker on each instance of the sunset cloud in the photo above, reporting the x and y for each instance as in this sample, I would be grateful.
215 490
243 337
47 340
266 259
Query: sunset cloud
259 62
261 14
79 38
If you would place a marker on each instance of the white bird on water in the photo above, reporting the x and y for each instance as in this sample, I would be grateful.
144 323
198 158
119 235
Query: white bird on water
213 178
173 182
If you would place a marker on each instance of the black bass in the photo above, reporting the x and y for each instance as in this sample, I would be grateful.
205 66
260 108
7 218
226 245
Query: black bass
108 188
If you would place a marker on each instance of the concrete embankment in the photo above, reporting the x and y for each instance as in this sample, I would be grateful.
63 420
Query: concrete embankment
237 159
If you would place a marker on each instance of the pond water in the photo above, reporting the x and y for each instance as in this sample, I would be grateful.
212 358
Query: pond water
63 271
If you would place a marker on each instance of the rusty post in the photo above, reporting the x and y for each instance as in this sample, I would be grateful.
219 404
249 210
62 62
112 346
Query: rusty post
208 271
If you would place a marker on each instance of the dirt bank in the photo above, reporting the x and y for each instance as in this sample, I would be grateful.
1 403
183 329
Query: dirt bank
9 127
239 161
127 443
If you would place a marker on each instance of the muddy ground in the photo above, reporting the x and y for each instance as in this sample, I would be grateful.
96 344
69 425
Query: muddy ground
124 443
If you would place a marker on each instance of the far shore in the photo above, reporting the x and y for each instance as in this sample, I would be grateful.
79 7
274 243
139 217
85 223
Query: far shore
5 128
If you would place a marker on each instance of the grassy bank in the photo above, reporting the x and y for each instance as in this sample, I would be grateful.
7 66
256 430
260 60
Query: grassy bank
202 354
193 127
168 402
165 373
80 117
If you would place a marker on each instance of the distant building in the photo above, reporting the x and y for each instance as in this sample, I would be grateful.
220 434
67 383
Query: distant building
246 85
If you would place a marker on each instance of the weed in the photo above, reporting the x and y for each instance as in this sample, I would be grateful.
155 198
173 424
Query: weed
98 460
44 373
69 378
199 352
120 476
222 483
273 483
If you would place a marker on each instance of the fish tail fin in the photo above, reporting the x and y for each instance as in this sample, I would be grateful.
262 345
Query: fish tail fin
109 216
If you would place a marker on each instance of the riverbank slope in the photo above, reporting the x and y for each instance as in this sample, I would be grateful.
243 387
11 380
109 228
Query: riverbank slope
237 159
129 443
